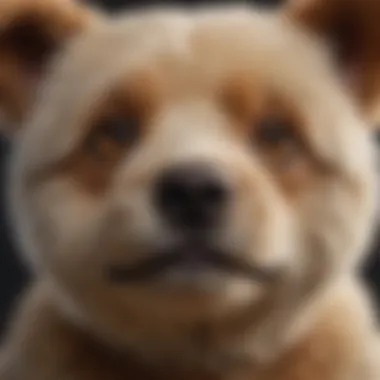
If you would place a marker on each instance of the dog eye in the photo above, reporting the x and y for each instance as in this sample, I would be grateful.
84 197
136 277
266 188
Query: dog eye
273 133
277 143
112 135
121 131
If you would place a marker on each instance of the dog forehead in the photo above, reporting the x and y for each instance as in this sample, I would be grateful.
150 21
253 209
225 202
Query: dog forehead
140 38
208 45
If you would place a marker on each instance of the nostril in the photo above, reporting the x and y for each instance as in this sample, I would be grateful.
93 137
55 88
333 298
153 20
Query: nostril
214 193
173 193
191 196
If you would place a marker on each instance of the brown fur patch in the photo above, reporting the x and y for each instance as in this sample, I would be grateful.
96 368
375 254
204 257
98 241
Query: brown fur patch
121 121
253 110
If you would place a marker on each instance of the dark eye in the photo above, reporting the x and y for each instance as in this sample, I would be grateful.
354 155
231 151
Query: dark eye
273 133
277 143
112 135
122 131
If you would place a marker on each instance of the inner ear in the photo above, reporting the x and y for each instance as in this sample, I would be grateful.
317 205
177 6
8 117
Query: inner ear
29 43
32 32
349 46
351 30
342 27
345 37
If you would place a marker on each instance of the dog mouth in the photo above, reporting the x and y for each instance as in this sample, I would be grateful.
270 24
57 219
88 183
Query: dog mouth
191 258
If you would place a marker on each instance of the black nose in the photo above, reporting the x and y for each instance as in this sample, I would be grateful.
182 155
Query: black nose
191 196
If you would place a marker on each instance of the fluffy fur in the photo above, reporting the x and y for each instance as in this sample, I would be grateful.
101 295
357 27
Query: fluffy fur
193 86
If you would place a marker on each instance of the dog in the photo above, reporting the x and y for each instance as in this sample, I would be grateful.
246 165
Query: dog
194 190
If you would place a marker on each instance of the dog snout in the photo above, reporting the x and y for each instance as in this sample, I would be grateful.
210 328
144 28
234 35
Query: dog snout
192 196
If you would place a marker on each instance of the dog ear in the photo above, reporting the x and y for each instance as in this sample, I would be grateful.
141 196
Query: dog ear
31 33
351 29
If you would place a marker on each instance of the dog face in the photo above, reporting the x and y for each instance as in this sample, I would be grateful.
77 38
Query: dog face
179 168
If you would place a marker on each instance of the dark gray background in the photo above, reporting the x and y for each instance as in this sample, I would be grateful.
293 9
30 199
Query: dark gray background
13 275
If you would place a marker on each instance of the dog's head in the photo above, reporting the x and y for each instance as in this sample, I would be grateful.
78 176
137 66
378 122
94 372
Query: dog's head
179 169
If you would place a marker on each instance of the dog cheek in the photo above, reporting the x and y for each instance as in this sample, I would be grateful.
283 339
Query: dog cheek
262 224
66 218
